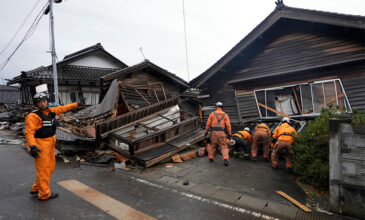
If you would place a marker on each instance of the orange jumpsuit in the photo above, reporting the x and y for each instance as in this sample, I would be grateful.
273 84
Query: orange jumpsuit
218 137
261 135
45 164
284 135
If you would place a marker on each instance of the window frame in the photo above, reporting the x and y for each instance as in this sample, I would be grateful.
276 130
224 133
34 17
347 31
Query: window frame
314 113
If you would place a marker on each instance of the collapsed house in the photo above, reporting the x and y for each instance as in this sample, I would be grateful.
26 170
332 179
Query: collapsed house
78 76
140 117
294 63
9 95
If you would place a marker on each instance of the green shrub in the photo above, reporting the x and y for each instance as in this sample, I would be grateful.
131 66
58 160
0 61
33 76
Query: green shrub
311 149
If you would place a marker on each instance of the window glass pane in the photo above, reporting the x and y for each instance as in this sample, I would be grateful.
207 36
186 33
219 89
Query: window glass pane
330 93
340 95
285 101
306 99
318 97
260 95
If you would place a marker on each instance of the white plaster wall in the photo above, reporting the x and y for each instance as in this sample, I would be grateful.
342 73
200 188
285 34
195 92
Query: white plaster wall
96 60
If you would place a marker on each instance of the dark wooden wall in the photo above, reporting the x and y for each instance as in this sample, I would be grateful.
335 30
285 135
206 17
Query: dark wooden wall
290 49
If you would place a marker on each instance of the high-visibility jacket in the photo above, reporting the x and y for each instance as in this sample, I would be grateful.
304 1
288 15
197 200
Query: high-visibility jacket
216 116
243 135
33 122
263 127
285 132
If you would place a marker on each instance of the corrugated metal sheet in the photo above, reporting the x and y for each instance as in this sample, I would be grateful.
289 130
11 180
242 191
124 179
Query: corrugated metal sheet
355 91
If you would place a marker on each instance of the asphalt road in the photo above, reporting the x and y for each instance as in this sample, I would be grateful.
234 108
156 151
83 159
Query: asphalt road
158 201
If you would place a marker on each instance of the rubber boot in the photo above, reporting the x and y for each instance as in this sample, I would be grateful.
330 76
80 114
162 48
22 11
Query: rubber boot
226 162
52 196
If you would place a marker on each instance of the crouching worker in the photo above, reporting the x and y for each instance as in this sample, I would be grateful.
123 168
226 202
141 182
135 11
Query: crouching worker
242 143
218 122
261 135
40 129
284 139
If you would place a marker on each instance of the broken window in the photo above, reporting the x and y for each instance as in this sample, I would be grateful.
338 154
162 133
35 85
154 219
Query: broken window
301 99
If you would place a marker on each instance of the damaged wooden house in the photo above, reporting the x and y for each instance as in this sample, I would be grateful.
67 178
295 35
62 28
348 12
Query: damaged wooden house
78 76
294 63
140 116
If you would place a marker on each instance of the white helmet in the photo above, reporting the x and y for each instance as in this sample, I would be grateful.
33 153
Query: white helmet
247 129
285 119
219 104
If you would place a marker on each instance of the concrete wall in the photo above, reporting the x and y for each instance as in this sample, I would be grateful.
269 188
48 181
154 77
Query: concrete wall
347 168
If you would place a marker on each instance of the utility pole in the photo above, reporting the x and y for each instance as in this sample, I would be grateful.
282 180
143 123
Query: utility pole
53 52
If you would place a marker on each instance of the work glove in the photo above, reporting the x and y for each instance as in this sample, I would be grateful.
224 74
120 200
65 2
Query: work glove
34 151
82 102
206 134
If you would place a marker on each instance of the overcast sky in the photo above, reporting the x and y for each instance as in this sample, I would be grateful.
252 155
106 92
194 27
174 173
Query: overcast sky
121 26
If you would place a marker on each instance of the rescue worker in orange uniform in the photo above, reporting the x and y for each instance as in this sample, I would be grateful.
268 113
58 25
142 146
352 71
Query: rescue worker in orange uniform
218 122
284 139
262 135
242 143
40 129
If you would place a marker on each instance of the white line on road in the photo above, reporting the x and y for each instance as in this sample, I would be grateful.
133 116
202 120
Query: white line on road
220 204
104 202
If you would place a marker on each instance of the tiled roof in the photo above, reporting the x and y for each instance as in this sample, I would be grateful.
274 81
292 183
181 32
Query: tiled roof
69 72
9 94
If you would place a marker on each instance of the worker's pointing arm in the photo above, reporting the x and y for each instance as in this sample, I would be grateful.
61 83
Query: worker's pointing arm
63 108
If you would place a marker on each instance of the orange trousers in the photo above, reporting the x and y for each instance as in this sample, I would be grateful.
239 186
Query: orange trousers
44 165
218 139
258 138
275 154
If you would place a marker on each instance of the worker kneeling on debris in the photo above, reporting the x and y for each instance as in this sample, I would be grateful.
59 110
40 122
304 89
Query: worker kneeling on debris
40 129
262 135
284 139
218 123
241 143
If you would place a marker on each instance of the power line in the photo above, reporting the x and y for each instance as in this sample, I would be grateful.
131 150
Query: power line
27 35
186 42
20 27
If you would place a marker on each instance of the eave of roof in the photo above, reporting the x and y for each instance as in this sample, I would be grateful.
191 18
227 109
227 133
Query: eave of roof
354 21
143 65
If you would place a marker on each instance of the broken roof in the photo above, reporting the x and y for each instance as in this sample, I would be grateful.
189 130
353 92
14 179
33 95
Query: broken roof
9 94
120 74
68 72
72 72
281 12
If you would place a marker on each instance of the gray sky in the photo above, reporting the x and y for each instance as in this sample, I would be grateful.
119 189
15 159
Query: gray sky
121 26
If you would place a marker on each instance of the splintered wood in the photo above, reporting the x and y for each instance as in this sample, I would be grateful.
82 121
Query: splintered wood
295 202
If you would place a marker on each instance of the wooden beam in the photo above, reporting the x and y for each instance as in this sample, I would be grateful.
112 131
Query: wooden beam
295 202
273 110
142 97
200 113
297 101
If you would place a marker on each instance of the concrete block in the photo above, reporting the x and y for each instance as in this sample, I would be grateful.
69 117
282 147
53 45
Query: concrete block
348 167
360 141
348 141
351 180
360 169
357 154
346 128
